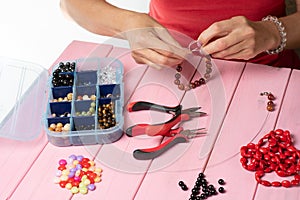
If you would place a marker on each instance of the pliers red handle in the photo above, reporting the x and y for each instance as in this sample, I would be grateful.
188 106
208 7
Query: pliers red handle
161 128
181 136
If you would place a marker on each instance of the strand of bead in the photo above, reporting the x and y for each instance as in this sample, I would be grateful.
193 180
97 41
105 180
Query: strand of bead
271 98
273 153
196 83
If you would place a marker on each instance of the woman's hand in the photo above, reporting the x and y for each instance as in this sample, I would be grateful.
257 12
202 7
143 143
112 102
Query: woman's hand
151 43
239 38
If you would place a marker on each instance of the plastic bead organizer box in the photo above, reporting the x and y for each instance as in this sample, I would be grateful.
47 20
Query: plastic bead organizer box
101 78
35 103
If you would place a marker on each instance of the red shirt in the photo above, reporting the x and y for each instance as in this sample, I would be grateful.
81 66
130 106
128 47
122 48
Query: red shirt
194 16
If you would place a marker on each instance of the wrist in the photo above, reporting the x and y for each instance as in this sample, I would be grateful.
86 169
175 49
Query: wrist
278 34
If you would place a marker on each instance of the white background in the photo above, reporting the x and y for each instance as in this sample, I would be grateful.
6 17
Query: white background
36 30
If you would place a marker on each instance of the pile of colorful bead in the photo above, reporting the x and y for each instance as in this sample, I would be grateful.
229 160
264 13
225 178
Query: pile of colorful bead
274 152
78 174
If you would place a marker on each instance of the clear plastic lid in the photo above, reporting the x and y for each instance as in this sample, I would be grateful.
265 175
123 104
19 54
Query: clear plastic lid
22 101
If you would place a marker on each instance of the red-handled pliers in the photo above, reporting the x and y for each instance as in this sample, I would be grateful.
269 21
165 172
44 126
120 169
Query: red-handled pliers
180 136
165 128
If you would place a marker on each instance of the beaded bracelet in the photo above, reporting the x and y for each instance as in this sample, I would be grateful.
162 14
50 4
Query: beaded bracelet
201 81
282 33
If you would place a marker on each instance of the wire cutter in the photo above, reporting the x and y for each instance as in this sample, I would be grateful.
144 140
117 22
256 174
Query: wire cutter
178 135
163 129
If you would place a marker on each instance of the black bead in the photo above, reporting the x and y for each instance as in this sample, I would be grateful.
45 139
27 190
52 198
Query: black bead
181 183
221 190
211 187
184 187
221 181
195 191
201 175
203 196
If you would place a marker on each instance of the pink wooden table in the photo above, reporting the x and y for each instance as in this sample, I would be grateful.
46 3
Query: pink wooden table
236 116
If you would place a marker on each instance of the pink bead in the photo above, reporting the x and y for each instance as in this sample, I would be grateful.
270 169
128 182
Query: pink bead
62 162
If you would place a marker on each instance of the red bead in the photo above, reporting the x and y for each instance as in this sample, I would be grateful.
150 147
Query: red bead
264 150
276 184
297 177
286 183
202 81
259 173
75 183
272 142
271 97
265 183
62 184
295 182
197 83
270 103
281 173
62 167
86 165
251 146
179 68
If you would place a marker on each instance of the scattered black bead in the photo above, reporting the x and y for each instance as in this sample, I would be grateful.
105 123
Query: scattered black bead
184 188
221 182
221 190
181 183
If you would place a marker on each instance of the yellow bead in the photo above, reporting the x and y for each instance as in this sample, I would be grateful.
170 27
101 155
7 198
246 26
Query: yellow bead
98 173
97 179
86 182
98 169
81 185
74 190
92 163
92 168
84 169
65 172
68 186
84 177
77 173
75 162
83 190
64 178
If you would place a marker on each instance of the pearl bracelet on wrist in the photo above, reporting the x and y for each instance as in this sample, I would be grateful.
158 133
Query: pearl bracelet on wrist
282 33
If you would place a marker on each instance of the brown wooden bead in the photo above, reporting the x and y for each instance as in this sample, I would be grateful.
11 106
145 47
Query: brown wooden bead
270 108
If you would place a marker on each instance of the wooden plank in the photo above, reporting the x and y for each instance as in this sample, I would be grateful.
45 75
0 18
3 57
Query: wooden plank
288 120
30 168
247 120
161 181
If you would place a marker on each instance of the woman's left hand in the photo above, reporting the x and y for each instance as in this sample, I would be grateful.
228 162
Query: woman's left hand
239 38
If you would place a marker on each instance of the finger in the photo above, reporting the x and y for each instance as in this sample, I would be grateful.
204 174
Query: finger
155 57
221 44
165 36
216 30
